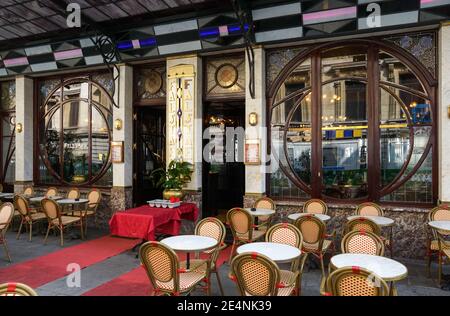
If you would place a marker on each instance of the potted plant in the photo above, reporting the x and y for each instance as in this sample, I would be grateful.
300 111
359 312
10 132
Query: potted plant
172 180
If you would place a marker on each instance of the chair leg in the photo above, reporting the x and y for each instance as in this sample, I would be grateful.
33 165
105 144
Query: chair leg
322 266
429 264
219 282
5 245
46 235
30 232
82 230
20 230
440 269
86 225
62 235
233 247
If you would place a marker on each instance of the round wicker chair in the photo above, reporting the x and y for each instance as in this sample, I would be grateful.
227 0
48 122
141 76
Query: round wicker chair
355 281
362 224
163 270
362 242
257 275
315 206
439 213
16 289
6 216
265 203
243 228
369 209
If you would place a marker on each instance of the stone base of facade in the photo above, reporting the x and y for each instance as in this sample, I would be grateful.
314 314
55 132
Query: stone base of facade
195 197
409 231
19 187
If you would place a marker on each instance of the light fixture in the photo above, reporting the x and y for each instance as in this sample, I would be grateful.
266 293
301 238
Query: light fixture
19 127
118 124
253 119
448 111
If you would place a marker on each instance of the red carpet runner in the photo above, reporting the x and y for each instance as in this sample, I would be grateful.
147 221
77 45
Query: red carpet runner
136 282
48 268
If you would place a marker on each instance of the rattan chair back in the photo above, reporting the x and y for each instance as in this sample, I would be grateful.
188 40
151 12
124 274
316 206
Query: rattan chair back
73 193
28 191
284 233
6 215
315 206
211 227
51 209
161 264
51 192
313 231
363 243
369 209
362 224
355 281
265 203
21 205
439 213
16 289
241 223
255 274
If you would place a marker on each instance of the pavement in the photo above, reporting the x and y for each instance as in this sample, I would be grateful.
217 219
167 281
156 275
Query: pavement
416 284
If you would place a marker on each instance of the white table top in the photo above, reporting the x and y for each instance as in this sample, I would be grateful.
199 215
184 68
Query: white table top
380 220
72 201
385 268
40 198
277 252
260 212
189 243
322 217
440 225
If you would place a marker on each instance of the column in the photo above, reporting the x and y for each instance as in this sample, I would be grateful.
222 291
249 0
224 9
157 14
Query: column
24 139
122 191
255 176
443 112
188 71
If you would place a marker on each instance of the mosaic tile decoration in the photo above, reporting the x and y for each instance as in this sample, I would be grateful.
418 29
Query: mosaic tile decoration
277 23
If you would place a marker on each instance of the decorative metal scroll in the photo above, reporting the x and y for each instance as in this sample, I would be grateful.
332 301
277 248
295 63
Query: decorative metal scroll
245 18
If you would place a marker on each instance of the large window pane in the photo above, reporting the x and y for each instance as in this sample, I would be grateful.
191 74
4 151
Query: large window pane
344 139
347 61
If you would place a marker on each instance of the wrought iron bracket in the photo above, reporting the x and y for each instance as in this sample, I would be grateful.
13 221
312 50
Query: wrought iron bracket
244 15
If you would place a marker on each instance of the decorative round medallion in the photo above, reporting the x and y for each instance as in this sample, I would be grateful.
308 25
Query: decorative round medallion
226 76
153 81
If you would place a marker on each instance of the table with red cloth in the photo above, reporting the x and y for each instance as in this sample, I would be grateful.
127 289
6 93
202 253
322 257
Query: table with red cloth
145 221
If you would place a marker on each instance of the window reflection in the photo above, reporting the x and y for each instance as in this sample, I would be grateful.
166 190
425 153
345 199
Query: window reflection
78 117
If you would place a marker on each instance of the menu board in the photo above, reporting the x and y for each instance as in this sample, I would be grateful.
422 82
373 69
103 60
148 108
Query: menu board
252 152
117 152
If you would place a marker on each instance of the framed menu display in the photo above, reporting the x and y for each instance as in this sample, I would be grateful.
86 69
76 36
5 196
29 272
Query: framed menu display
117 152
252 152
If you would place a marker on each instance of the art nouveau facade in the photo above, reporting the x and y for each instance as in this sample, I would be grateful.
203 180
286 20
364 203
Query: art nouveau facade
345 111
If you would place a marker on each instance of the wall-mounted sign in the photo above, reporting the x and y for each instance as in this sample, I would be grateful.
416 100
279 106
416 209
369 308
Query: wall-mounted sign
117 152
252 152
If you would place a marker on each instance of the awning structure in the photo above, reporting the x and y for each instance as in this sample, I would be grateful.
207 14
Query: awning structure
30 20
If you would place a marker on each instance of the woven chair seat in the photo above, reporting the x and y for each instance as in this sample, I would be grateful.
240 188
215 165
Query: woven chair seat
197 265
435 245
287 277
82 213
66 220
257 234
37 216
315 247
187 281
446 251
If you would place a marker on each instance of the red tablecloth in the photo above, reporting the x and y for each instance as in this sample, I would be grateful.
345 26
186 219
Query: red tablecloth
143 222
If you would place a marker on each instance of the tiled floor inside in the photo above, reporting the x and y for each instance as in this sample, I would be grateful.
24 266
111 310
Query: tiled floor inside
97 274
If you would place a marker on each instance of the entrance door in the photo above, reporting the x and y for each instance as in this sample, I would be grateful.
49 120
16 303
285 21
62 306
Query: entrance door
223 181
149 153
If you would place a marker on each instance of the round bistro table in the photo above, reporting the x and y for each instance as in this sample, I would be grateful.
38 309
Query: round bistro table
279 253
387 269
188 244
296 216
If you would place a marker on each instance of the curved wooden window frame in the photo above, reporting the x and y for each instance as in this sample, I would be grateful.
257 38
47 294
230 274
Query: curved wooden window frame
59 177
374 86
4 163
